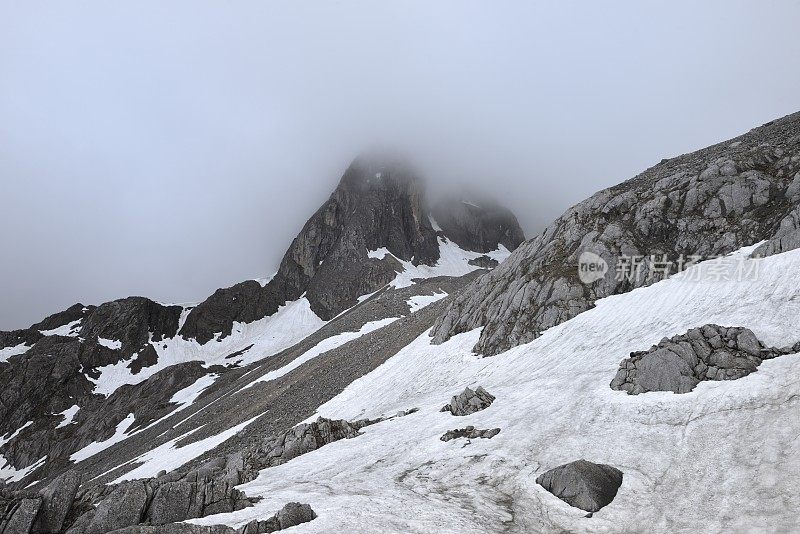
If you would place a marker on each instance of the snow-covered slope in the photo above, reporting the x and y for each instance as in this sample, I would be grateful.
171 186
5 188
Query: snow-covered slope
723 458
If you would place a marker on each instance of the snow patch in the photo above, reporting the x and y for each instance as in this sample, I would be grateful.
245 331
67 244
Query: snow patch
722 458
8 352
292 322
68 415
168 457
99 446
112 344
417 302
69 329
323 346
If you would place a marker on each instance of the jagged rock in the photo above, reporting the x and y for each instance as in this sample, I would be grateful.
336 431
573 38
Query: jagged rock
292 514
205 491
470 432
678 364
469 401
303 438
583 484
57 500
125 506
63 318
707 203
477 224
133 321
378 204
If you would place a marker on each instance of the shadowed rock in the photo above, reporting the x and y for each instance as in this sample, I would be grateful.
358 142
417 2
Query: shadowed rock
583 484
469 401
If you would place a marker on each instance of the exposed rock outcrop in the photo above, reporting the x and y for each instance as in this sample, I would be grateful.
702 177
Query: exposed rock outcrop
377 204
469 432
292 514
469 401
583 484
477 224
710 202
679 363
302 439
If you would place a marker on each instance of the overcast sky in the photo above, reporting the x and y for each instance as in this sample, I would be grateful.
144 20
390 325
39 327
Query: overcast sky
169 148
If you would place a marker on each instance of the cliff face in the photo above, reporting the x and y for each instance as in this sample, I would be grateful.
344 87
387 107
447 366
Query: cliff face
696 206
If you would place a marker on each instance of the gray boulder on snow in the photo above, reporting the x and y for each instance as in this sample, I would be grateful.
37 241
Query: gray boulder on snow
583 484
678 364
469 401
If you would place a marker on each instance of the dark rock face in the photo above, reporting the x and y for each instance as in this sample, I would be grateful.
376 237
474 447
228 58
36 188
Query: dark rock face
292 514
376 205
469 432
469 401
57 500
480 225
707 203
131 321
679 363
583 484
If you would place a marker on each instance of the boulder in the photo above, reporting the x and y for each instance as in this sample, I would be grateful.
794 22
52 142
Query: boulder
469 401
470 432
583 484
679 363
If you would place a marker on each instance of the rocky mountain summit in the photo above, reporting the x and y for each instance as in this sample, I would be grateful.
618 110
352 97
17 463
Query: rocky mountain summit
377 206
691 207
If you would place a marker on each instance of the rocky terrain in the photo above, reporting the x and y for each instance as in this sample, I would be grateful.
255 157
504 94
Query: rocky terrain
332 396
96 391
685 209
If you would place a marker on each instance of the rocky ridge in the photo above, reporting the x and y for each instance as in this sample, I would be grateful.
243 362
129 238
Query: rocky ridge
696 206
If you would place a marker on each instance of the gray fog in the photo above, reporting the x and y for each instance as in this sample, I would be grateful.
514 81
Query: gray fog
166 149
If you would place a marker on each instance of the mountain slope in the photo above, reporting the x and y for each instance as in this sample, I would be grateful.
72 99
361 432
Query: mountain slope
90 384
696 206
719 459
